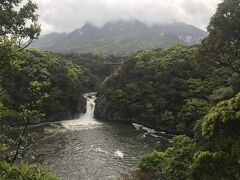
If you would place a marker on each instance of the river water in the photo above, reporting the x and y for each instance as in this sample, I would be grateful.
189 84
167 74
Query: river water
85 148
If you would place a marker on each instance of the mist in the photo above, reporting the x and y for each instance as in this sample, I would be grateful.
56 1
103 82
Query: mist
65 16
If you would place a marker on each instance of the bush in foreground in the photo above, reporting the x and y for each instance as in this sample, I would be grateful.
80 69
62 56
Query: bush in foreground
24 172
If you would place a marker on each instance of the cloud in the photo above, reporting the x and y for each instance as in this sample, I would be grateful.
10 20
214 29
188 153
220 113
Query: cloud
67 15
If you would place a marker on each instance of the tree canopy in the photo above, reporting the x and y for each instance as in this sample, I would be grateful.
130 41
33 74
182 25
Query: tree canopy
161 88
221 47
18 27
19 21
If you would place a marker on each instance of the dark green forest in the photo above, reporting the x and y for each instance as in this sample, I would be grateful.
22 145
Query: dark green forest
163 89
192 92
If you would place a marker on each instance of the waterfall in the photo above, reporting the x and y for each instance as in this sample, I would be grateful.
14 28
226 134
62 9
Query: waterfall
86 120
90 97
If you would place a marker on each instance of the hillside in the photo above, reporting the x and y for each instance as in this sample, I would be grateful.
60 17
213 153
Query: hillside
120 38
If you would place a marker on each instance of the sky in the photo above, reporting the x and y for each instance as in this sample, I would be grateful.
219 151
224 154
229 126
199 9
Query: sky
67 15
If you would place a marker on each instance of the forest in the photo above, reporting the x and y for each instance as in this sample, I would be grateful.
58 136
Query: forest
192 92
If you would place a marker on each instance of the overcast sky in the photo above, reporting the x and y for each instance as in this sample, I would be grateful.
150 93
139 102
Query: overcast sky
67 15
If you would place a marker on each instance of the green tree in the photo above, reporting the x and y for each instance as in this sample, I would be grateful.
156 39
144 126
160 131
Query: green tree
210 166
24 171
223 119
18 27
30 113
219 137
222 46
19 21
193 109
174 163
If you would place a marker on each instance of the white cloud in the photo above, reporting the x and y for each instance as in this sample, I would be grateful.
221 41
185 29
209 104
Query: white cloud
66 15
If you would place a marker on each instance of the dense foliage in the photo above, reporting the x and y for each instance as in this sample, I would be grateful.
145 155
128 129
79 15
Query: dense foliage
221 47
217 132
24 171
18 27
215 157
95 65
174 162
59 81
162 89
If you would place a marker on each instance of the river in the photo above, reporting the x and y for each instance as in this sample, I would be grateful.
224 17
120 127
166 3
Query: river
87 149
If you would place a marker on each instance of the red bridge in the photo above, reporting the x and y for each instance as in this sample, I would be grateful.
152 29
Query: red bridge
113 65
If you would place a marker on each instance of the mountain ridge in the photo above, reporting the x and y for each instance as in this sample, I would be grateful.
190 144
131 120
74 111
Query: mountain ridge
120 37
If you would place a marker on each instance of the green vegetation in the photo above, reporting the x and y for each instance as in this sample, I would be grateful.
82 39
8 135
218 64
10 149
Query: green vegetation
215 157
174 162
18 25
59 83
93 63
221 47
24 171
162 89
187 90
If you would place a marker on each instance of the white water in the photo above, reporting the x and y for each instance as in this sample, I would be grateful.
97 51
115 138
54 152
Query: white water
150 131
119 154
85 121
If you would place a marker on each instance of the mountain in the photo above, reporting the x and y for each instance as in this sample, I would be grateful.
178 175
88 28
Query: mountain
48 40
120 37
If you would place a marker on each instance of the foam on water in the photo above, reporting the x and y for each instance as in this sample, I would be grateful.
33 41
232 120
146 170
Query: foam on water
98 149
150 131
137 126
118 154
